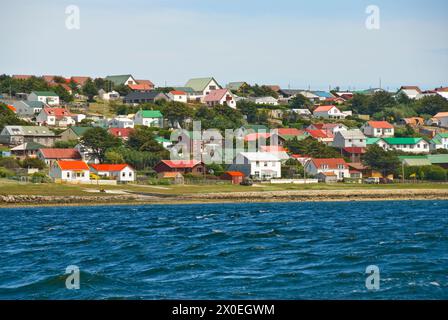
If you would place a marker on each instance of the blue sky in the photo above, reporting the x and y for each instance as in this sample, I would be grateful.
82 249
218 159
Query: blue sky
293 43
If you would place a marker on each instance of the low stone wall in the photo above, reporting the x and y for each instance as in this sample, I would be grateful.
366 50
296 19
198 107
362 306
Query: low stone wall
293 181
39 200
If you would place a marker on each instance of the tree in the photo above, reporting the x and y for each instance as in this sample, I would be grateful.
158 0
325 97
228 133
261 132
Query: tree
122 89
89 90
99 141
142 139
299 102
249 109
63 94
292 168
66 144
33 163
311 147
176 112
9 118
432 105
381 160
114 157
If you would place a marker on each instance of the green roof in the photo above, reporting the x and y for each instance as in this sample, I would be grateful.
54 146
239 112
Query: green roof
184 89
438 158
256 127
235 85
402 140
436 141
45 93
161 139
442 135
79 131
151 114
199 84
417 162
118 79
372 140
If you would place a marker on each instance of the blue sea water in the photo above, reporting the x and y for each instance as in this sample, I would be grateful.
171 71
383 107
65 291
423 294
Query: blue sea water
227 251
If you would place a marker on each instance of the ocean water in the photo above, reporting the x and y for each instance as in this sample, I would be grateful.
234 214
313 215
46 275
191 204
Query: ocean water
227 251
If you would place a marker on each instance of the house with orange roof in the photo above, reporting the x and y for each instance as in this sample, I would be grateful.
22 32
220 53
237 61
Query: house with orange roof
178 96
321 136
220 97
80 81
141 87
336 166
328 112
378 129
70 171
236 177
60 117
182 166
119 172
149 84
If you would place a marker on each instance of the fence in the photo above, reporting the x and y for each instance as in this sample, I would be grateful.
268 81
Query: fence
292 181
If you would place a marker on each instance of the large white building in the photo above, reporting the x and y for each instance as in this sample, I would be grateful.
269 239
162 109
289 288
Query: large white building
349 138
410 145
260 165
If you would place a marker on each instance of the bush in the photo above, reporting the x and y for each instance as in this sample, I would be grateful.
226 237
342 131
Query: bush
5 173
161 182
39 177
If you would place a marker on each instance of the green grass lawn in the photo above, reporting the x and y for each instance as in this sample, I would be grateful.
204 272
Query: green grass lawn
8 187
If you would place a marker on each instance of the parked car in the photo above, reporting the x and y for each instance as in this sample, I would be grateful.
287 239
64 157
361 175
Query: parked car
372 180
247 182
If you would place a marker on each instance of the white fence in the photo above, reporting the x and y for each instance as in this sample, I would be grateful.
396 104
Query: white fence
293 181
98 182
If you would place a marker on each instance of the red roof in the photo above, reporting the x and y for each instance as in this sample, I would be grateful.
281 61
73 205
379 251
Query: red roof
181 163
12 108
21 76
416 88
355 150
316 134
140 87
73 165
289 132
63 85
57 153
147 82
331 163
109 167
178 93
273 149
256 136
380 124
121 132
80 80
234 173
58 112
324 108
216 95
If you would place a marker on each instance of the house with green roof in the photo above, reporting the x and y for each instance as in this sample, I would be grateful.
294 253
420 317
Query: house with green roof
122 79
440 141
236 86
410 145
48 97
17 135
74 133
202 87
149 118
427 160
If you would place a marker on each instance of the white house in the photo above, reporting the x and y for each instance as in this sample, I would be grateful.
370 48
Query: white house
441 119
121 122
220 97
440 141
349 138
119 172
302 112
28 109
47 97
71 171
261 165
149 118
201 87
123 79
328 112
265 100
378 129
443 92
56 117
104 95
411 145
178 96
411 92
338 166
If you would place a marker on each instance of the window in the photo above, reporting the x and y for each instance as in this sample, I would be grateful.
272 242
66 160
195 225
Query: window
123 174
257 163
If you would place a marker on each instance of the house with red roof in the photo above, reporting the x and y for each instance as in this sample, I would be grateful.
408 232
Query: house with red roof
182 166
328 112
178 96
122 133
148 83
70 171
220 97
118 172
236 177
142 87
328 127
378 129
80 81
336 166
50 155
354 153
60 117
321 136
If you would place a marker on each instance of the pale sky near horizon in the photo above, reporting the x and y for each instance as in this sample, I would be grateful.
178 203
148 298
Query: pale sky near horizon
293 43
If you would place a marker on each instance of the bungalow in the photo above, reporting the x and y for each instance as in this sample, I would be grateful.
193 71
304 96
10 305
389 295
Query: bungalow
442 119
118 80
16 135
178 96
413 121
411 145
70 171
28 109
328 112
338 166
121 122
74 133
303 112
144 97
50 155
378 129
122 133
265 100
182 166
354 153
166 143
26 150
235 177
260 165
327 177
220 97
323 95
201 87
149 118
440 141
47 97
119 172
410 91
350 138
60 117
139 87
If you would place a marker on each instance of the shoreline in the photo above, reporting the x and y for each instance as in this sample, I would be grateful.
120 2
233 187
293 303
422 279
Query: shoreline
26 201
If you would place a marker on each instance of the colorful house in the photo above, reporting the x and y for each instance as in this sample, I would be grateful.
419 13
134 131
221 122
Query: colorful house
235 177
119 172
328 112
220 97
380 129
182 166
47 97
337 166
50 155
70 171
149 118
